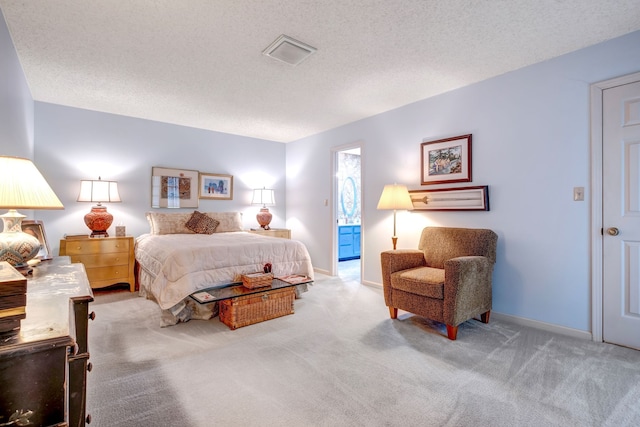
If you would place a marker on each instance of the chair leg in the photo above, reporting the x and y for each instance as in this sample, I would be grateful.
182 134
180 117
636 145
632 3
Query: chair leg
393 312
484 317
452 332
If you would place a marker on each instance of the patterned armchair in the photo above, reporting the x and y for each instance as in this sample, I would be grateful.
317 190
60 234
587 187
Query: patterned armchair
447 279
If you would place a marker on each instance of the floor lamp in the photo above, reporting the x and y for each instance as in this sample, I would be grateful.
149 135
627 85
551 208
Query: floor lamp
395 197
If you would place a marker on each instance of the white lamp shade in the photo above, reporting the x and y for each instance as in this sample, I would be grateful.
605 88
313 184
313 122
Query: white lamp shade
263 196
22 186
395 196
98 191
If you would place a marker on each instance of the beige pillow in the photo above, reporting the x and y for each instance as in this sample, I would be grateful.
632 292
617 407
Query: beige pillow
175 222
229 221
201 223
169 223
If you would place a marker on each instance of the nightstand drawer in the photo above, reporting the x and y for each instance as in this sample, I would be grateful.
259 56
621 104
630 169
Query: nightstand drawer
96 246
102 260
112 274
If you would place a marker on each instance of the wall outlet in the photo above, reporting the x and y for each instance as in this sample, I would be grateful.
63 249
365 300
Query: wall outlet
578 194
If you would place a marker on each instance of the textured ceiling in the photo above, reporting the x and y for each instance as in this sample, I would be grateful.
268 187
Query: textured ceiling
199 63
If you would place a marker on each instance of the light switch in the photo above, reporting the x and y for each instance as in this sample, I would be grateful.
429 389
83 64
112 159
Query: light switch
578 194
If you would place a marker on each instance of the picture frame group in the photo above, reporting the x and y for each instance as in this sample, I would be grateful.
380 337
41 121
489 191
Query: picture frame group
183 188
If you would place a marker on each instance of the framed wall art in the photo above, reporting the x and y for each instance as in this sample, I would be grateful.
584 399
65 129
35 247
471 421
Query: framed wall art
36 229
216 186
451 199
174 188
446 160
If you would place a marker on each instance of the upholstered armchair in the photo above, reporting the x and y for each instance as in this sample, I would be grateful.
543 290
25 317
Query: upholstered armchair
447 279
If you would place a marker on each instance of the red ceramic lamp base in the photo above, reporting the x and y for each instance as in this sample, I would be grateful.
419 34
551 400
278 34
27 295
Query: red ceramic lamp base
98 221
264 218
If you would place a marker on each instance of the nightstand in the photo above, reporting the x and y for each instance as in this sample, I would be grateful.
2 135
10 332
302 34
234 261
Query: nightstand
108 260
273 232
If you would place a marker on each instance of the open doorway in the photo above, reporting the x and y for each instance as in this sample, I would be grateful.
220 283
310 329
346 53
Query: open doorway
348 212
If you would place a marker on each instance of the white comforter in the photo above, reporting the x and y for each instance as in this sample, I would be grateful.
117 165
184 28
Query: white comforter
173 266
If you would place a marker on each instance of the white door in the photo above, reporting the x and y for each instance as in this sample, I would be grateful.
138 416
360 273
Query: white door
621 214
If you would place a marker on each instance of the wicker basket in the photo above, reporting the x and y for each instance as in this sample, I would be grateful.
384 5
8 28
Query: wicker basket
257 280
249 309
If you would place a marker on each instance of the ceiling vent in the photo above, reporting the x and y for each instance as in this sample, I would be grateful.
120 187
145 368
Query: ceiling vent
288 50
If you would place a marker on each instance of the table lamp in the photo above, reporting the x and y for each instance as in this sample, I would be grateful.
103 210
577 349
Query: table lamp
264 197
98 191
395 197
22 186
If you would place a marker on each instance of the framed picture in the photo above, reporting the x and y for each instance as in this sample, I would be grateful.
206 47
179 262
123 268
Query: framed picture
446 160
216 186
36 229
174 188
451 199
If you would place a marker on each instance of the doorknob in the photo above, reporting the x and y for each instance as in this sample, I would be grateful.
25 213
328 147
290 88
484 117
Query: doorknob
613 231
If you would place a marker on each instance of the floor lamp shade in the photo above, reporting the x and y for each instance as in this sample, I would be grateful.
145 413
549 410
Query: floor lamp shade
22 186
395 197
98 191
264 197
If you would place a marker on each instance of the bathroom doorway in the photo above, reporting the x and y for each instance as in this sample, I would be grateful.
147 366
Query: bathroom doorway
348 212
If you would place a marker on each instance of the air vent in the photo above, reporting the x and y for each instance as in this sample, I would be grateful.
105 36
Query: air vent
288 50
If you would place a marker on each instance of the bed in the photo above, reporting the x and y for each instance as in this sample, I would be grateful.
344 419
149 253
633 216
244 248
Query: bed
173 261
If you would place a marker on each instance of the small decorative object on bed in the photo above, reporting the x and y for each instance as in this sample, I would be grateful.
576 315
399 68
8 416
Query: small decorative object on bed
446 160
216 186
176 262
174 188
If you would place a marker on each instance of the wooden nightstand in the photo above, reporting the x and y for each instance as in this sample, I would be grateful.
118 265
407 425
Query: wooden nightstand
108 260
273 232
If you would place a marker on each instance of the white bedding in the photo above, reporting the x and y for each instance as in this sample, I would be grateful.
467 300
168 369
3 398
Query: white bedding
173 266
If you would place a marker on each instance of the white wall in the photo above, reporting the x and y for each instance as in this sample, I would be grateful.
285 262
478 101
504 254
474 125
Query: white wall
530 145
16 104
74 144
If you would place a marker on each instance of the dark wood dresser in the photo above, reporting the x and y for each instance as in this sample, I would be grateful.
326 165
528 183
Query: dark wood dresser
43 367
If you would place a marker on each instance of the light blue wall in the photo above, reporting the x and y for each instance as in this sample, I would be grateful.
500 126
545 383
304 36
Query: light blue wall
74 144
16 103
530 145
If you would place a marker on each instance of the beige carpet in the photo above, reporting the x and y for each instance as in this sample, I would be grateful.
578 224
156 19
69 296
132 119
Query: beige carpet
340 361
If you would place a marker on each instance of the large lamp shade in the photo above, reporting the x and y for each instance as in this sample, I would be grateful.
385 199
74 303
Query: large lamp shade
22 186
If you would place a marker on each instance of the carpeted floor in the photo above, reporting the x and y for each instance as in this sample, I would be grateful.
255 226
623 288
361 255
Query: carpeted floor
340 361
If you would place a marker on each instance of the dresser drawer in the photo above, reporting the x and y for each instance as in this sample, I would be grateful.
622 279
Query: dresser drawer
112 274
96 246
102 260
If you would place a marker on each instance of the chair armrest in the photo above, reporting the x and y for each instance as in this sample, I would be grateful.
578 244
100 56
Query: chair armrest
467 288
398 260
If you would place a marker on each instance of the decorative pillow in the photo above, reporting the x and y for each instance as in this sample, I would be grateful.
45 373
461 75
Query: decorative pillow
201 223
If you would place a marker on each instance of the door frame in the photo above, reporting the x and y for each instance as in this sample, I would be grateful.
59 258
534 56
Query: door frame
597 226
334 204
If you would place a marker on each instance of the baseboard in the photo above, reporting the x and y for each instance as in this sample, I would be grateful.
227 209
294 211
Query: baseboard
562 330
321 271
371 284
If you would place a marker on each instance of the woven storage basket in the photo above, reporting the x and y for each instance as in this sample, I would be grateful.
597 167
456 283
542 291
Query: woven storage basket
249 309
257 280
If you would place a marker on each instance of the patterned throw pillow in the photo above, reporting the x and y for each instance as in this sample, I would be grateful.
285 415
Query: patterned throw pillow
201 223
